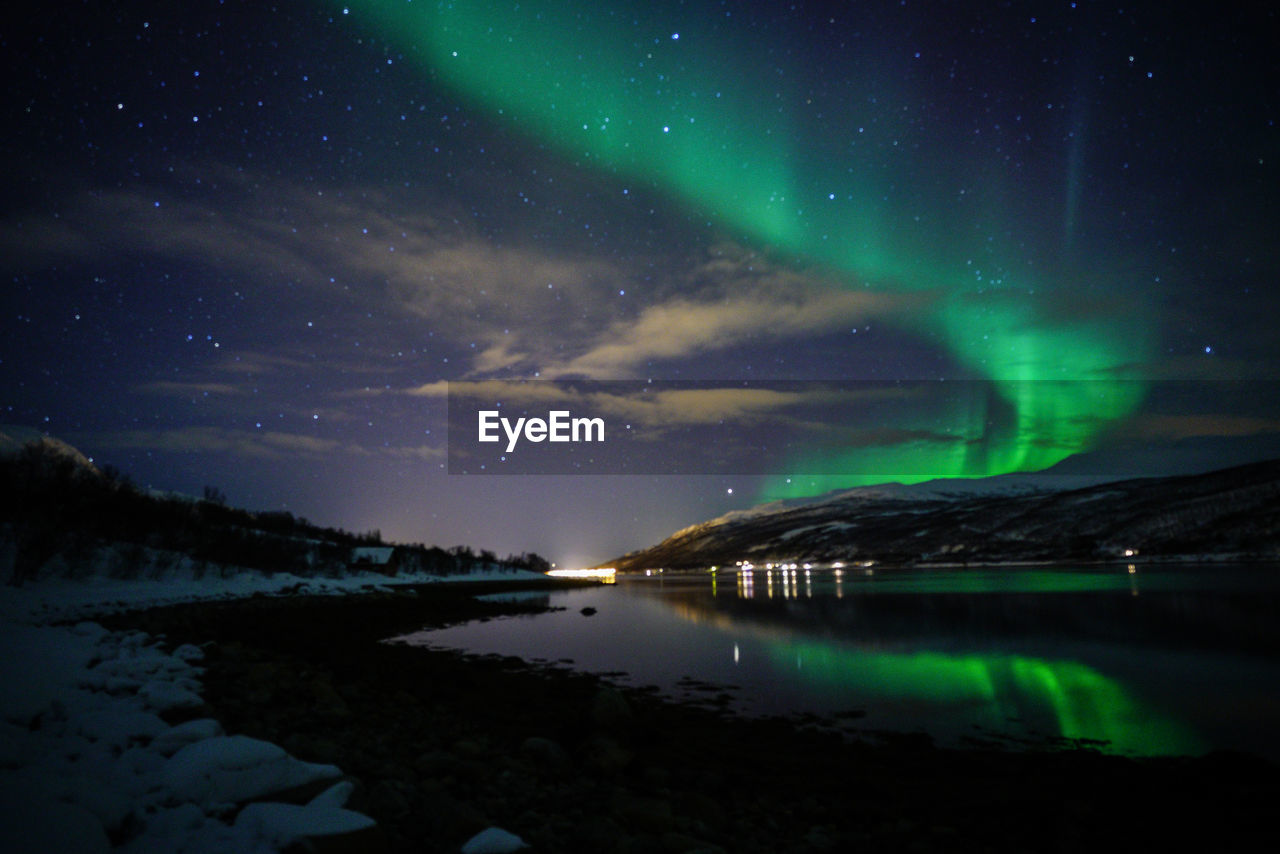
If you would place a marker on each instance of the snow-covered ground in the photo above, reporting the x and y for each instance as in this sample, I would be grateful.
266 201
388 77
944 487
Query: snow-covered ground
57 599
87 763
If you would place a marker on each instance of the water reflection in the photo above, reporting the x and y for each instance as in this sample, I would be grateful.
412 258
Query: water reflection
1027 654
1002 694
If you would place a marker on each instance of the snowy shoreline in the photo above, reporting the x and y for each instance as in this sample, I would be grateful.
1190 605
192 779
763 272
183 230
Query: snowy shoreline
104 745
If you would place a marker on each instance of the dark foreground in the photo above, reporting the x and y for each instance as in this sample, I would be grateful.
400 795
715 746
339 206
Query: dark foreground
444 745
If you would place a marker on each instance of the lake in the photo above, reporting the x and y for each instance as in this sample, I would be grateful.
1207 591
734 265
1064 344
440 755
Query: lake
1134 659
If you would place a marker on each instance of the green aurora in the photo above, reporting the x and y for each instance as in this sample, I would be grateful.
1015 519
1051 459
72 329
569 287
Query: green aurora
1061 698
694 114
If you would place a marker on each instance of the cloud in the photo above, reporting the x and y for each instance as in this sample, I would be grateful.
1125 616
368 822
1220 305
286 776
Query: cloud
549 305
399 252
251 445
263 364
260 445
887 437
682 328
660 406
1191 426
511 392
194 389
681 407
234 224
422 453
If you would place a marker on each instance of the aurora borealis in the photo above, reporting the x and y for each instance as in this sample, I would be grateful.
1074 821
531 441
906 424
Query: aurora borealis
680 111
249 246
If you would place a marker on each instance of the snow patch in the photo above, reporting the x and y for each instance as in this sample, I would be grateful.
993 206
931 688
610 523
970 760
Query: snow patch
86 758
232 769
285 824
493 840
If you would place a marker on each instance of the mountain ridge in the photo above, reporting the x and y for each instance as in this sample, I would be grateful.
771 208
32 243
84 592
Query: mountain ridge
1228 512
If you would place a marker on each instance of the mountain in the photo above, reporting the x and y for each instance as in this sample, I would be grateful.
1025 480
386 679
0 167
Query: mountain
1231 512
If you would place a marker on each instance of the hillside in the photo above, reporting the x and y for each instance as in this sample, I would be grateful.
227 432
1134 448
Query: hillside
1232 512
62 516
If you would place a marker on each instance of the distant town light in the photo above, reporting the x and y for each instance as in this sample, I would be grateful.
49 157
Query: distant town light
603 572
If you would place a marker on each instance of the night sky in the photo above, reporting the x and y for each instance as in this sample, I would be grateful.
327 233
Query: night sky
247 244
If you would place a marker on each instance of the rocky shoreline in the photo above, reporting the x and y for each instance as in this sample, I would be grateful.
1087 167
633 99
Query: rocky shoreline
442 745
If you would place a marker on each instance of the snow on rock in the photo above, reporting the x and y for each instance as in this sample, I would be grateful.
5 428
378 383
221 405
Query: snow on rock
51 599
285 824
119 727
17 746
34 826
493 840
169 696
335 796
33 660
232 769
86 758
188 652
175 738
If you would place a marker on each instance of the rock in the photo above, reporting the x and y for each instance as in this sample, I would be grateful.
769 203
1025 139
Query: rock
237 769
544 754
163 696
390 797
678 843
33 826
493 840
314 827
610 711
469 748
647 815
445 817
820 839
328 702
175 738
440 764
706 808
605 755
594 833
119 728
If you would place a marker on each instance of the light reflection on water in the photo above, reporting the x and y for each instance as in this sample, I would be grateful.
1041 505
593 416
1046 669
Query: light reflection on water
1147 660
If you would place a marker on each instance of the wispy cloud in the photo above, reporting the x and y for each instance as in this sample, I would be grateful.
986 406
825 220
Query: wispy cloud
682 328
192 389
259 445
658 407
1193 426
505 307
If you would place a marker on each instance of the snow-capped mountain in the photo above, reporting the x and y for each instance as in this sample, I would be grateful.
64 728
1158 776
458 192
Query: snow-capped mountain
1010 518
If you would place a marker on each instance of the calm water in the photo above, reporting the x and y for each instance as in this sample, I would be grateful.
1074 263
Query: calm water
1144 661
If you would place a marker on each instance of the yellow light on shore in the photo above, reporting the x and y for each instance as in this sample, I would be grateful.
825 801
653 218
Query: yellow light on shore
604 573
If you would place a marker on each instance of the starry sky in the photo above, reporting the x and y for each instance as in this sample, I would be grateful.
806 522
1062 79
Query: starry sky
254 246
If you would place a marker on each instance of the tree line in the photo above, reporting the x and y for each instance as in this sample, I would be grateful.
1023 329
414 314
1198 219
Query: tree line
62 516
